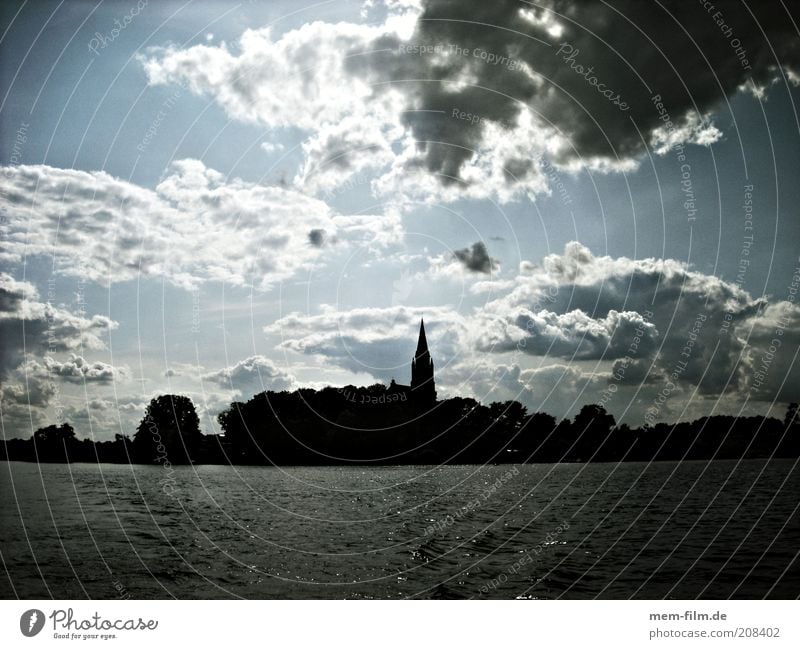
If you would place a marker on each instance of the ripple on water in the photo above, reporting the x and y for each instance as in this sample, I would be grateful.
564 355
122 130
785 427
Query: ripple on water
651 531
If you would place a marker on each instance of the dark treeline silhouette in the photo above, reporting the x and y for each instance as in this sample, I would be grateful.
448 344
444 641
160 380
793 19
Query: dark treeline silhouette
374 425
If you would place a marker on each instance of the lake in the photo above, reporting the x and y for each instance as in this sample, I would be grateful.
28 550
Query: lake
663 530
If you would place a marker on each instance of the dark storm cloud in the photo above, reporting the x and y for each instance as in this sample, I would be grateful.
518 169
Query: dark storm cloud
589 70
476 258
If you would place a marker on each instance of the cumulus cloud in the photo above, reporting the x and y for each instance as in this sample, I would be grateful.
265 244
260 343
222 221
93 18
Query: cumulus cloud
296 80
773 337
31 394
252 375
97 419
573 335
580 305
643 323
485 381
453 99
29 326
196 226
78 370
31 329
376 341
271 147
24 400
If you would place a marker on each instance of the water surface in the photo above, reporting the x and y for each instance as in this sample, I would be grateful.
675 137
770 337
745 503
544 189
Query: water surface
680 530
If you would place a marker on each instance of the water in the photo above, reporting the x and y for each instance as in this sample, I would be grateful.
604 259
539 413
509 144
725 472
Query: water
696 529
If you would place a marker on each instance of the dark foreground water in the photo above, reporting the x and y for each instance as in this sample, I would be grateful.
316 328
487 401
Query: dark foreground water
695 529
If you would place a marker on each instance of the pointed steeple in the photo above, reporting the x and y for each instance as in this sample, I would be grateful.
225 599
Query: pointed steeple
422 343
422 382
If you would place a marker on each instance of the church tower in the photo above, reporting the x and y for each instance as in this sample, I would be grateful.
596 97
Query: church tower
423 388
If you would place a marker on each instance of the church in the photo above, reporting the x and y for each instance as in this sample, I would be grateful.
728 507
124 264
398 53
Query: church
422 390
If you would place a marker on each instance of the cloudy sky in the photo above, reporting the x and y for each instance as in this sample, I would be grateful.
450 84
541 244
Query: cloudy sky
588 202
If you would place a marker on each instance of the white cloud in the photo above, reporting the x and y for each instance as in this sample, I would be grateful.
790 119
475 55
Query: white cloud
78 370
578 305
29 326
573 335
31 331
439 109
271 147
378 341
647 321
196 226
322 78
251 376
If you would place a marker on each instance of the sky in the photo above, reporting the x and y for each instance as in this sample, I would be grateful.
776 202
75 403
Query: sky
587 202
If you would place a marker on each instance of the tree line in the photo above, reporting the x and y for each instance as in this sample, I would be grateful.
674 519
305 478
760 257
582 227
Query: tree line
363 425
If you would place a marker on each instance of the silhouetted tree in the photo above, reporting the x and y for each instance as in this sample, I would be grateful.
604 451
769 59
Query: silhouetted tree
169 431
55 435
55 443
594 418
371 424
590 430
791 416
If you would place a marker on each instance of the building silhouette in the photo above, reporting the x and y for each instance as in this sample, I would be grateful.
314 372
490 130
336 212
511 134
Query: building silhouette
422 390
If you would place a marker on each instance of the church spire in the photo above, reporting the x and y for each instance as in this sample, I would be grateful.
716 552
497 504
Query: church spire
422 383
422 343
